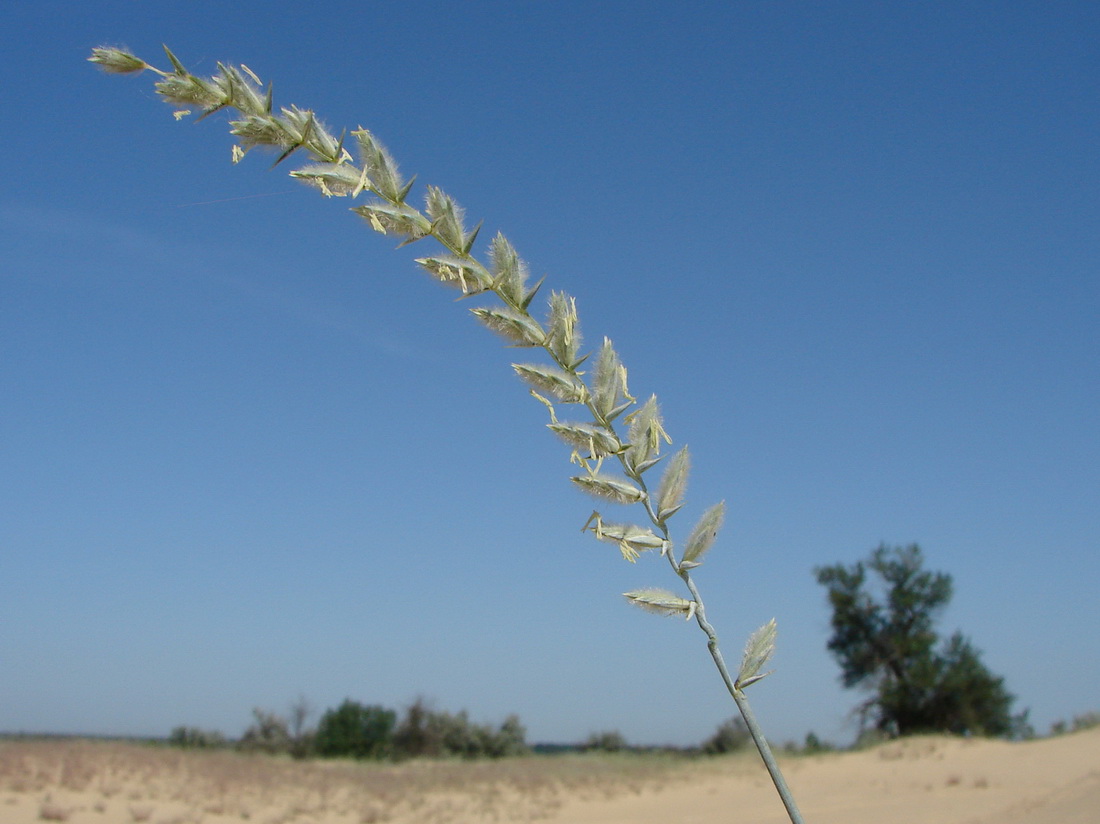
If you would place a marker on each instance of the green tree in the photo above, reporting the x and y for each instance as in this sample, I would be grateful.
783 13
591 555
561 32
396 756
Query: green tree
888 646
355 730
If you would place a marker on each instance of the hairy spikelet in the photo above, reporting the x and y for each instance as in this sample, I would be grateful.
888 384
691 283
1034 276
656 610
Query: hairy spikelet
599 441
240 92
447 221
519 328
702 537
191 91
632 539
381 167
116 61
610 488
509 271
398 219
564 337
661 602
646 434
261 130
609 393
758 651
333 179
559 383
670 493
462 273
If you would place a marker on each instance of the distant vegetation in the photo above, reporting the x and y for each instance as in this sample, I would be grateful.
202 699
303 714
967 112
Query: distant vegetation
373 732
194 738
1080 722
356 730
605 741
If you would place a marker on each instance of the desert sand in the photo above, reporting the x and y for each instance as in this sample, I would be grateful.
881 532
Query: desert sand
933 780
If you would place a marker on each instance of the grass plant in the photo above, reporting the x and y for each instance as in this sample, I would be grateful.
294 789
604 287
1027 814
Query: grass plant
615 442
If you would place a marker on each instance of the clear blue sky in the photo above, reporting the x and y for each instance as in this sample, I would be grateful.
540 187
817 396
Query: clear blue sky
248 451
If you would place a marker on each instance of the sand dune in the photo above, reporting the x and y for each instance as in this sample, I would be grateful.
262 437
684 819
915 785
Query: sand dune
931 780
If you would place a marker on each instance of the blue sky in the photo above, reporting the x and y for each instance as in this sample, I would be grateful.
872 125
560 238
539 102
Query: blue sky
250 452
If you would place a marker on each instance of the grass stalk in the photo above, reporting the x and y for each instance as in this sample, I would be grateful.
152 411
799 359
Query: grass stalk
618 427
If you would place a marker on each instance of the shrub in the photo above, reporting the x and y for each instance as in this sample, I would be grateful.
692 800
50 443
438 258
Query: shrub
606 741
510 739
268 734
356 731
814 744
731 736
1086 721
424 732
194 738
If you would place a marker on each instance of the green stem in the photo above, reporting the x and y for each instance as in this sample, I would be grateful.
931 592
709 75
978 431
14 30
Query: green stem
742 702
766 754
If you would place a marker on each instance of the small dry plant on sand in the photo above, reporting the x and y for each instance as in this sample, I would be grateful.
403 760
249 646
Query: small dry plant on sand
617 429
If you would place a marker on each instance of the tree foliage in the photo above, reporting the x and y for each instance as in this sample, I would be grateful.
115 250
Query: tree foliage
355 730
888 645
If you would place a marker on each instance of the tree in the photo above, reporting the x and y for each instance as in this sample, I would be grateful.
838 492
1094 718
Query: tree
355 730
889 646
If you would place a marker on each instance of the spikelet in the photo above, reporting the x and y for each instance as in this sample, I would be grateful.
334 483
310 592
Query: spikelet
661 602
670 492
702 537
758 651
564 336
610 488
559 383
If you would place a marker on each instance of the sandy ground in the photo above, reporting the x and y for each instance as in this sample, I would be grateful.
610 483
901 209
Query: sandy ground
930 780
927 780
